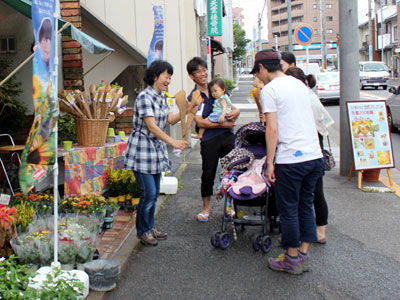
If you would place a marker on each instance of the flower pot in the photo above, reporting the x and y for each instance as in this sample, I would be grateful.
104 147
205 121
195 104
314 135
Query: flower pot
67 266
121 198
135 201
128 197
113 199
371 175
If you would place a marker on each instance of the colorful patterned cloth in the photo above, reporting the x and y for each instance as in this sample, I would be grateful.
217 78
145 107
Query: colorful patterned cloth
86 169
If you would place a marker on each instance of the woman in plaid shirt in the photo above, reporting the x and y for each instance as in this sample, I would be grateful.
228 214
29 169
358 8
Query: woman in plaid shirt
147 152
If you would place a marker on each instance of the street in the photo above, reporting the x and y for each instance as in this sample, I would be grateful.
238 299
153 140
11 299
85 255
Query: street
360 260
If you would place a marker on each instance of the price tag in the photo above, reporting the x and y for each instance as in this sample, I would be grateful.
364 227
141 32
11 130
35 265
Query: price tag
5 199
171 104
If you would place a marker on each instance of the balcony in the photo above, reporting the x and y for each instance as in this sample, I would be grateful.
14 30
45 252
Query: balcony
385 39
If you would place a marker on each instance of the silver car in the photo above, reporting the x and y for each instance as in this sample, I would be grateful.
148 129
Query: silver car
393 106
328 86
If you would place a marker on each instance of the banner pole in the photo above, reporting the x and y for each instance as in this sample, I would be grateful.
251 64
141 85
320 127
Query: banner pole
55 168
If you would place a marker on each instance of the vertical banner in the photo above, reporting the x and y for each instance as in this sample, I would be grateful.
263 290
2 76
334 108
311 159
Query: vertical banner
157 43
214 17
39 154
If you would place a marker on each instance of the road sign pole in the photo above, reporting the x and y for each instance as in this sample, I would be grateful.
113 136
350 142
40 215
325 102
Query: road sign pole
307 60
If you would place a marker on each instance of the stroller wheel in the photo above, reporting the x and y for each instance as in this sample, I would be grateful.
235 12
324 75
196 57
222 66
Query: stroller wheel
257 242
266 244
224 240
215 239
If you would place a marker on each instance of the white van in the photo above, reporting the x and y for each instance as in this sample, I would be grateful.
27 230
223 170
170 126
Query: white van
374 74
313 68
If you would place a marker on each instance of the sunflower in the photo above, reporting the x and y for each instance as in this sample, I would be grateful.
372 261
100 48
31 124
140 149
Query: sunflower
37 87
43 151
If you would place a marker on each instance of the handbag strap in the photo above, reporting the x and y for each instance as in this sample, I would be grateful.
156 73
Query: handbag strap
329 143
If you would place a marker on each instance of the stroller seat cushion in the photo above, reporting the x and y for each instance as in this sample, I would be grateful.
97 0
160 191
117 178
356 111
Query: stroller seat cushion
251 181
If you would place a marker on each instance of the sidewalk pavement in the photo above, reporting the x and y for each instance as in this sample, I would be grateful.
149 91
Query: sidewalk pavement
119 242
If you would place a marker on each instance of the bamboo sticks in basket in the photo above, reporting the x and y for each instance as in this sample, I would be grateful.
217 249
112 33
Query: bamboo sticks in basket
99 103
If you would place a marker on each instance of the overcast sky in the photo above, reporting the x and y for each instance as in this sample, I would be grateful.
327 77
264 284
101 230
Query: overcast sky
251 10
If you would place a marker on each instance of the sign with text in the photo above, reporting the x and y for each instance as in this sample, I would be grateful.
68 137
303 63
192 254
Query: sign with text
370 135
214 17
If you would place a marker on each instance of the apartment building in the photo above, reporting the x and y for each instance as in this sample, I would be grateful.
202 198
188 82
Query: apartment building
309 12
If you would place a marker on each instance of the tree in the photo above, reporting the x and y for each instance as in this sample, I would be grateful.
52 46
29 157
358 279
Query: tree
239 42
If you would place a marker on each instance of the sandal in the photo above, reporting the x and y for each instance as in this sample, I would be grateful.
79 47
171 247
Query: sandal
202 217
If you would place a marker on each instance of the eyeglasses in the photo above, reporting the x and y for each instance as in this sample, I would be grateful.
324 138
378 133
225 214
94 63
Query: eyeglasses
200 71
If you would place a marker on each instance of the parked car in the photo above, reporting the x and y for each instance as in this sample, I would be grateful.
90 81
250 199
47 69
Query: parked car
373 74
393 107
328 86
312 68
246 71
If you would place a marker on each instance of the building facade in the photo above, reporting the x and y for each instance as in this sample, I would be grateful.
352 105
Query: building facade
308 12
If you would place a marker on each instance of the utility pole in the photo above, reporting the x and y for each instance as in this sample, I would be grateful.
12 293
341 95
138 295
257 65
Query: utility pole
323 42
259 32
370 41
382 31
349 75
289 16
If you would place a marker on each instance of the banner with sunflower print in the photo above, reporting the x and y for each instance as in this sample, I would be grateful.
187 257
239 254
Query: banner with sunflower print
38 156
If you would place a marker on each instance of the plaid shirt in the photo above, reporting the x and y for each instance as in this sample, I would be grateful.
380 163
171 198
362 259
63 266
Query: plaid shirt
146 153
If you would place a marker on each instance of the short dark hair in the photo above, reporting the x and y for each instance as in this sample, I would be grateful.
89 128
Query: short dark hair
45 29
194 64
155 69
159 45
288 57
298 73
270 67
218 81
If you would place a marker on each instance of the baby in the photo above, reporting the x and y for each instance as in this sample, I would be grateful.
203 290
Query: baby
222 104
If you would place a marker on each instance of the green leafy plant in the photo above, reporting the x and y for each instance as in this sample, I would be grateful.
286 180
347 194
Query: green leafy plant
228 83
59 286
66 129
14 279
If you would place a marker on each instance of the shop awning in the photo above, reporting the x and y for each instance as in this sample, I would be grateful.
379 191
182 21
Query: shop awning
88 43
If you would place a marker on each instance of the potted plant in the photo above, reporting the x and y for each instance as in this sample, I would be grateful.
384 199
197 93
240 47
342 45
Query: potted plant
134 190
112 185
8 230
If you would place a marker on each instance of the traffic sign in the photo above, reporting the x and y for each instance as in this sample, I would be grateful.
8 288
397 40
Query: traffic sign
304 34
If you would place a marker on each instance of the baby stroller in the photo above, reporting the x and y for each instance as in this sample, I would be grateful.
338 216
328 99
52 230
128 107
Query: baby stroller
243 185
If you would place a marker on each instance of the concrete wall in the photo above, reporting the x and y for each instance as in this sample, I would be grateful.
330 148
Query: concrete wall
133 20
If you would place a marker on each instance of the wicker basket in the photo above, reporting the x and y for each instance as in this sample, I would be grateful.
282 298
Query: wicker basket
91 132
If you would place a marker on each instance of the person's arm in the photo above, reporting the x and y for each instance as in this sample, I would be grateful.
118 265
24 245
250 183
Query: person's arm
256 95
271 136
224 106
206 123
173 118
154 129
234 114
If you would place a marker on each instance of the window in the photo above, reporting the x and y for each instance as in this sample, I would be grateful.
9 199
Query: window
315 31
395 33
329 31
315 19
7 45
315 6
329 6
329 18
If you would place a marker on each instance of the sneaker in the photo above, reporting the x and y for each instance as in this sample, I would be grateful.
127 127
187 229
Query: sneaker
285 263
304 261
158 235
148 239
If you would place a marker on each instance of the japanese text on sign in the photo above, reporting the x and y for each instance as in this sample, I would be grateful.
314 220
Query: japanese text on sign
214 13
